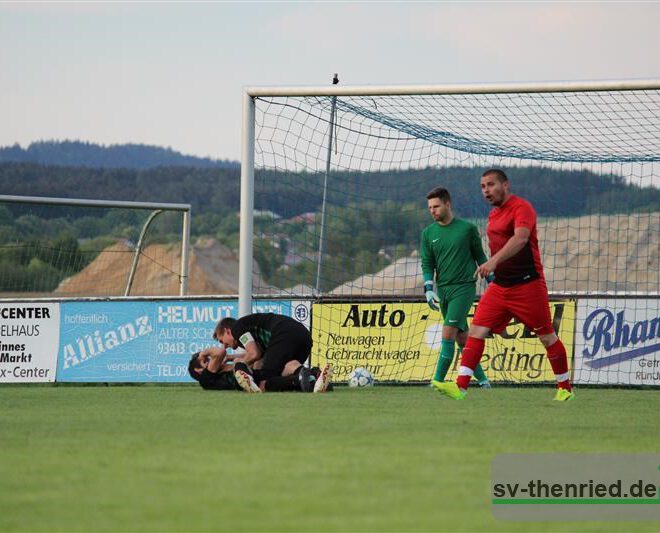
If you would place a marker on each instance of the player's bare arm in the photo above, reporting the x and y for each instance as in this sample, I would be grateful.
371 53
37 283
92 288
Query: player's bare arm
251 355
217 359
511 248
212 351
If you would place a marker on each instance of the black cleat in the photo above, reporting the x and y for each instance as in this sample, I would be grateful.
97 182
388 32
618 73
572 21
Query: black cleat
306 379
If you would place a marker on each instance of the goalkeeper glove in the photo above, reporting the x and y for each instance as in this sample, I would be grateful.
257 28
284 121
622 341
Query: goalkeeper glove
431 297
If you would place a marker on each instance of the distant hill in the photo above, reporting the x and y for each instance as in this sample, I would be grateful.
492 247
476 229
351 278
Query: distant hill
84 154
564 193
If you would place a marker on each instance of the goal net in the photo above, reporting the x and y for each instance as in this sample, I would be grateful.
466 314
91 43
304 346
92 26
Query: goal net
339 204
58 248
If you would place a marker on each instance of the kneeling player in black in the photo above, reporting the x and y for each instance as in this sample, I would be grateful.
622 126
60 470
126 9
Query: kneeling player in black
270 342
215 371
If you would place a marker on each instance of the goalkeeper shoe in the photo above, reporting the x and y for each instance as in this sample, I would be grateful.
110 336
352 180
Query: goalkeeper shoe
449 389
484 384
324 380
245 381
564 395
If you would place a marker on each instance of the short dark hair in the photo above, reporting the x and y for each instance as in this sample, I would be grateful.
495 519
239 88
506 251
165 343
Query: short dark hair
194 365
225 323
499 174
439 192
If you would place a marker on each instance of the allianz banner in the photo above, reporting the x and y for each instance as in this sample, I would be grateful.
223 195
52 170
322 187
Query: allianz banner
401 342
144 341
618 341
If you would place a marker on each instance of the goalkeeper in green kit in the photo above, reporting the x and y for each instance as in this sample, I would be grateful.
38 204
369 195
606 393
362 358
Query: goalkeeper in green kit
451 250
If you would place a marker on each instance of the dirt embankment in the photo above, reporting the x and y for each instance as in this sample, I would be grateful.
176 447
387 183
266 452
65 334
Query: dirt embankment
213 269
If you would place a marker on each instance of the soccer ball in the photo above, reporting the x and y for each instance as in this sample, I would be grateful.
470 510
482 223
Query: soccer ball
360 377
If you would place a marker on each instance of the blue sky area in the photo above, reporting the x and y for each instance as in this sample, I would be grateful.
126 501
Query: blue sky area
172 74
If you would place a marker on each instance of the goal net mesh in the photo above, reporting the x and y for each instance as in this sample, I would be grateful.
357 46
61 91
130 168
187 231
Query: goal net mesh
59 251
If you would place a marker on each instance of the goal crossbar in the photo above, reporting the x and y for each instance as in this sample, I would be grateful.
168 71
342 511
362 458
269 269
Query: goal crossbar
476 88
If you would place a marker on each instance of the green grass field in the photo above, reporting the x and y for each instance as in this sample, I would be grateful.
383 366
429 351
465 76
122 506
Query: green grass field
386 458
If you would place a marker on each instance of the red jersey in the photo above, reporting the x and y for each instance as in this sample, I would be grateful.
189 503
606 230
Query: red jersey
526 264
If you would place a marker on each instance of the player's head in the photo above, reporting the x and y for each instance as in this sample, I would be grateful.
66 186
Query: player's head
495 186
439 202
195 366
222 332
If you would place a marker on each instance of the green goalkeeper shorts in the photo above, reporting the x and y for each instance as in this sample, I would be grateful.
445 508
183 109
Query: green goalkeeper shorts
455 304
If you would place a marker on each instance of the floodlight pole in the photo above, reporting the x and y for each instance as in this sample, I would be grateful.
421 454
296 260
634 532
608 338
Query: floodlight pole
247 208
333 109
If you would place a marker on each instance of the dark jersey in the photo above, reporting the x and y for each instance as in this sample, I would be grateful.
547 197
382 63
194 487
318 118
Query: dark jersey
502 221
280 338
218 380
261 327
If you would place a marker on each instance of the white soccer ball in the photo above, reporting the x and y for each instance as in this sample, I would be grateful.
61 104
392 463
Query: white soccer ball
360 377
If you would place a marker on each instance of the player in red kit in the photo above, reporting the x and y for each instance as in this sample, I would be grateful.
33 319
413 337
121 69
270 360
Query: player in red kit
518 290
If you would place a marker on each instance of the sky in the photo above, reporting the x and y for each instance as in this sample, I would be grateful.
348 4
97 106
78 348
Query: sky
173 74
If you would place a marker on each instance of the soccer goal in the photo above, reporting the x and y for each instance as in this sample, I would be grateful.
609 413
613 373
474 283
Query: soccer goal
67 247
333 187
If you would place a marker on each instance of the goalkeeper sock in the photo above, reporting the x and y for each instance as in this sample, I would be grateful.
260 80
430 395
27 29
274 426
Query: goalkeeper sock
480 375
444 360
559 364
474 349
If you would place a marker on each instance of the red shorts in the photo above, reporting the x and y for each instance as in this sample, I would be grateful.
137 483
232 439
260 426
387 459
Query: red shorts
528 302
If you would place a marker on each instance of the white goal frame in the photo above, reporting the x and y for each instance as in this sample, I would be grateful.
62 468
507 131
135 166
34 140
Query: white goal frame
184 209
248 137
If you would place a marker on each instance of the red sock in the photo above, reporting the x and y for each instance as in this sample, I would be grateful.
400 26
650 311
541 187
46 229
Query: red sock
559 364
470 357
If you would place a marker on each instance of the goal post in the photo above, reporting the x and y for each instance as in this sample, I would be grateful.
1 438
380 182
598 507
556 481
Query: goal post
333 185
247 207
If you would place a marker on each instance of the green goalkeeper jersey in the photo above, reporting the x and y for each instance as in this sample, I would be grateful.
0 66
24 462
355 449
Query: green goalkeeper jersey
451 252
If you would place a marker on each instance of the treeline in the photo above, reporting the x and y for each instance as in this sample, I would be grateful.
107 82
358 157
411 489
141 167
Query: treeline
85 154
217 190
358 239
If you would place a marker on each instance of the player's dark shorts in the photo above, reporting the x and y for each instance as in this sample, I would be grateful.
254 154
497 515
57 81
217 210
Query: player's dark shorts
528 302
290 340
455 304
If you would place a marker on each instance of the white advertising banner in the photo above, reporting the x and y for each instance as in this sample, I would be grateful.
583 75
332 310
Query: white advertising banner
617 341
29 342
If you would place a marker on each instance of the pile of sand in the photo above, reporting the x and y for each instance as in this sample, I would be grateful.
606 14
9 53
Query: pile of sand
596 253
213 270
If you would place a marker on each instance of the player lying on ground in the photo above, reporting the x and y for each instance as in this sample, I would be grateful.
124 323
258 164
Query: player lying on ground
274 340
518 290
213 369
450 250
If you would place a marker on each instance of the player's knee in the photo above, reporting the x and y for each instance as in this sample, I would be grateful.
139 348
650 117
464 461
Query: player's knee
291 367
478 332
548 339
449 333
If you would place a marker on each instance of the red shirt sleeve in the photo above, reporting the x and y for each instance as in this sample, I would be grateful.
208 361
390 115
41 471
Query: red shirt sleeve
524 216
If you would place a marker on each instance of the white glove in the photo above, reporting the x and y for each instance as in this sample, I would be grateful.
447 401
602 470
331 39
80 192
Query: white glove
431 297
